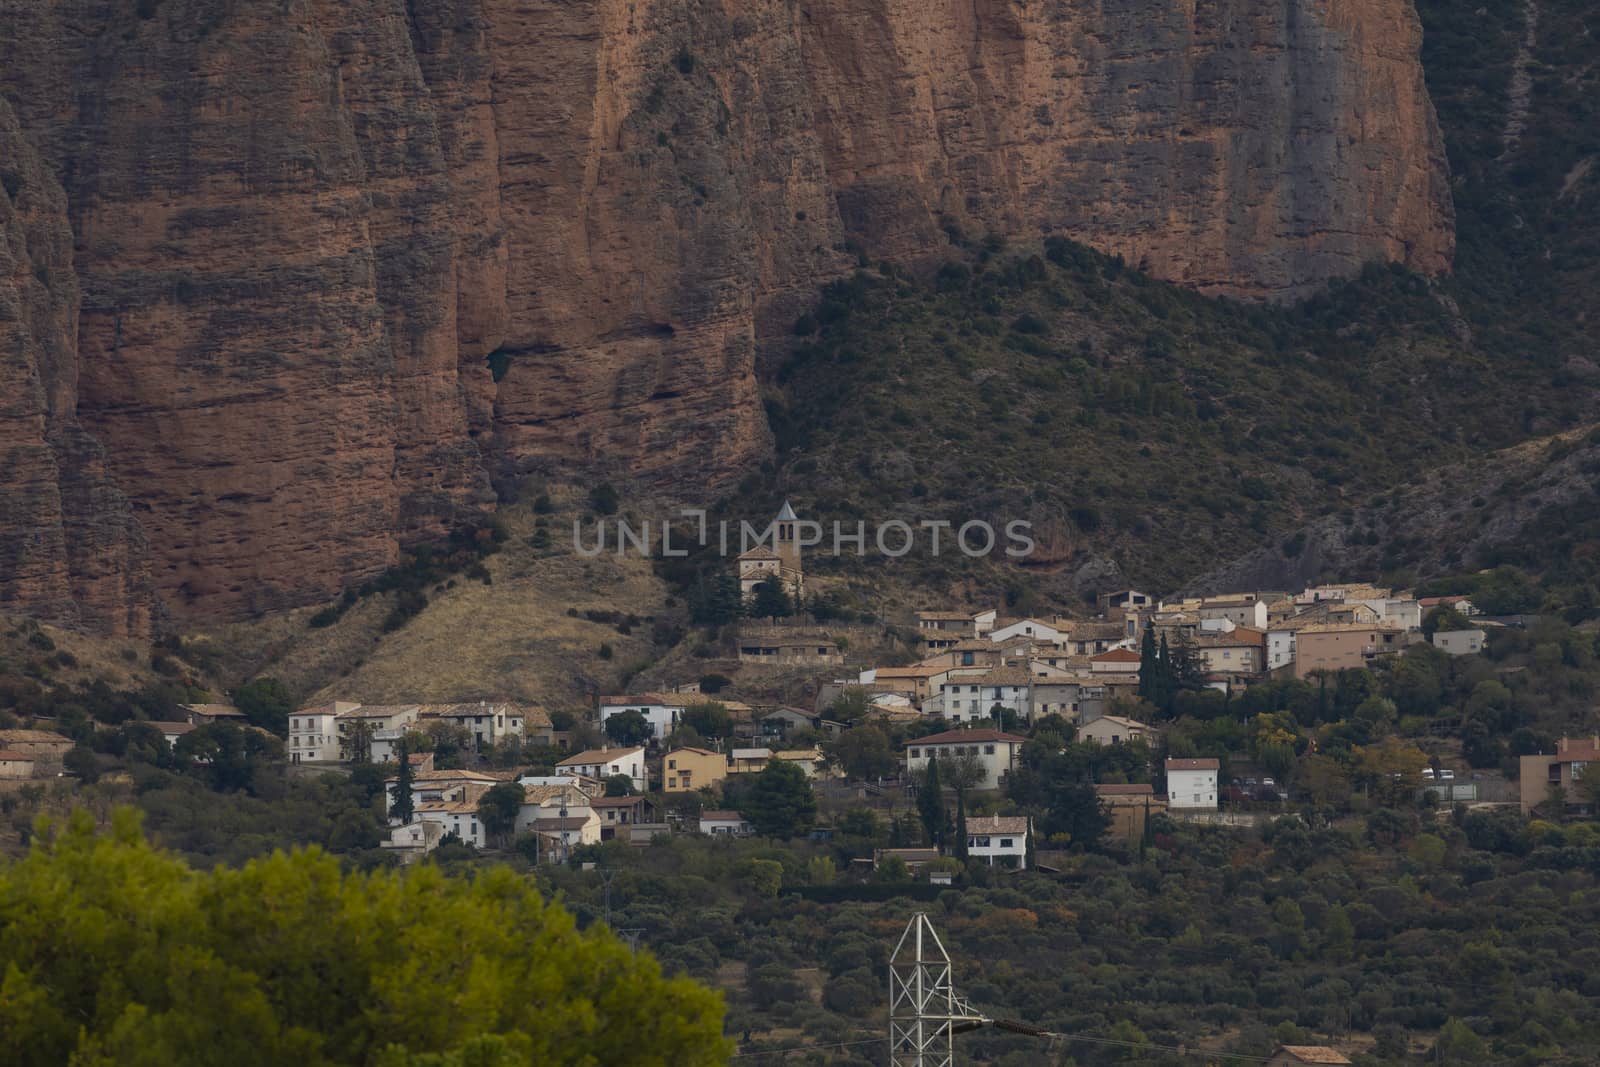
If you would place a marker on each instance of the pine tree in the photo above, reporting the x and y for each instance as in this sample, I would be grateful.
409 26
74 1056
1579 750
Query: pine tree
771 600
930 805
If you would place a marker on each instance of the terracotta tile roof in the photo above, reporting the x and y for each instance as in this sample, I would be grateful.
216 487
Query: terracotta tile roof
572 822
1137 789
761 551
944 616
998 824
628 700
1097 631
599 755
1122 721
721 816
14 757
378 711
174 727
1584 750
213 711
1192 765
1116 655
967 737
696 751
616 802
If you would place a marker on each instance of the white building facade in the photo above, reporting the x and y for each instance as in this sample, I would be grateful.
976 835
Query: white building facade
999 840
314 733
662 715
996 751
1192 784
603 763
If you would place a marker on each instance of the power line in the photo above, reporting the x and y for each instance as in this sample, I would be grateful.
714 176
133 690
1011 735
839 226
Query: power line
808 1048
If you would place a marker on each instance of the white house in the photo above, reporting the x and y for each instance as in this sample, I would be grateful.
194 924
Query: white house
314 732
603 763
970 697
999 840
1280 645
564 816
1116 730
662 713
458 815
488 722
724 824
415 840
1245 610
1037 629
996 750
1459 642
1192 784
383 726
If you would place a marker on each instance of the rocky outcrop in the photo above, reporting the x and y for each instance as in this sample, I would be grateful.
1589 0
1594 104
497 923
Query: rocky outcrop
342 261
70 551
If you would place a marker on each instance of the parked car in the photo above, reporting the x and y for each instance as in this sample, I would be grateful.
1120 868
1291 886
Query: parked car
1250 783
1447 775
1427 774
1267 783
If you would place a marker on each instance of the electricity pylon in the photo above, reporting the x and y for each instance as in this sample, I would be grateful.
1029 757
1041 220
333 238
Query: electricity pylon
924 1011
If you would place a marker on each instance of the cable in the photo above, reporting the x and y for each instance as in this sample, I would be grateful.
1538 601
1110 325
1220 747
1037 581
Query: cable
808 1048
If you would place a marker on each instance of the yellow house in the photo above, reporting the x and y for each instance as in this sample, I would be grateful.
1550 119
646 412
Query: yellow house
686 769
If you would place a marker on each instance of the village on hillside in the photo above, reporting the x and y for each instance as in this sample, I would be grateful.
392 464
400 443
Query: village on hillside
981 689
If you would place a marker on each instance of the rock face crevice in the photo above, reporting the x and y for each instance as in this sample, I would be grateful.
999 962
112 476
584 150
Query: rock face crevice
286 282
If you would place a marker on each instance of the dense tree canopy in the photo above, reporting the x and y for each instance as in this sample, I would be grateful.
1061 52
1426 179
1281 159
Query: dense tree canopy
115 953
780 802
266 702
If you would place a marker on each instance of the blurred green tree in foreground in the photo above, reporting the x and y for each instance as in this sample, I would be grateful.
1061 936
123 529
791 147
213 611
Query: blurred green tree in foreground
113 952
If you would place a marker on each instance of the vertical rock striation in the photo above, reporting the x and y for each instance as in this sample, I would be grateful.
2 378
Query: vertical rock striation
341 260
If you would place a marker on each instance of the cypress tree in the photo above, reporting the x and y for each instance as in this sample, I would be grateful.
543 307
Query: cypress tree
1149 666
930 805
403 807
1169 678
961 826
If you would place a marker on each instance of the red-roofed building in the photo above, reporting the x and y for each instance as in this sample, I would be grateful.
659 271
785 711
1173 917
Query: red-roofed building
996 750
1117 661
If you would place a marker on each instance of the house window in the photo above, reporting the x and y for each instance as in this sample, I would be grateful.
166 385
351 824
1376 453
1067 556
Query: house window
1005 842
916 753
988 750
672 764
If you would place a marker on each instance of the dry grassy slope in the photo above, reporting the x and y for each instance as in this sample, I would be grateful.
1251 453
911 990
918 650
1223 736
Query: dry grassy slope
511 639
124 663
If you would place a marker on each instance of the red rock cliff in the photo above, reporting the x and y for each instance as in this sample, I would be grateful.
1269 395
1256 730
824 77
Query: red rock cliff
305 231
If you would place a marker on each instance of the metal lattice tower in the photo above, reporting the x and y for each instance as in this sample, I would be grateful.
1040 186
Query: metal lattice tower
924 1010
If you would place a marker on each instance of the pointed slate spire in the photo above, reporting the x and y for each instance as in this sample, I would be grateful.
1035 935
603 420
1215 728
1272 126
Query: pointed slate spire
787 514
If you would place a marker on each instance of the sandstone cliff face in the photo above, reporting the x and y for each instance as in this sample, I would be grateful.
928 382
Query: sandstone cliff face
70 551
341 260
